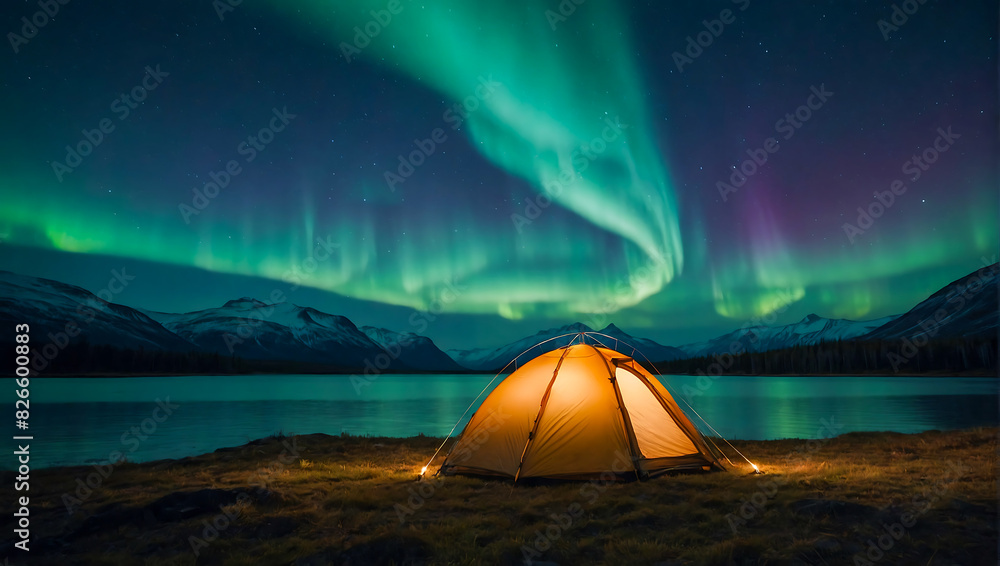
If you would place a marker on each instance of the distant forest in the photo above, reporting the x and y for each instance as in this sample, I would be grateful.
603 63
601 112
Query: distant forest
85 359
882 357
852 357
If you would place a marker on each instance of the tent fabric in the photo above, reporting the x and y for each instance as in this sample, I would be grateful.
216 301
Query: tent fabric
579 412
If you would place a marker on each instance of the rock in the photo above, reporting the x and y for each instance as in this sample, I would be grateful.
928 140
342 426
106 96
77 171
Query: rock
184 505
177 506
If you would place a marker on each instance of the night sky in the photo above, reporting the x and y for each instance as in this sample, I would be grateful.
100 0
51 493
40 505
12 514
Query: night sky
512 167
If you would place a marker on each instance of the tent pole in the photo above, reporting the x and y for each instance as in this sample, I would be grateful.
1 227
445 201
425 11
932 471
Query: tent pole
499 373
633 444
538 417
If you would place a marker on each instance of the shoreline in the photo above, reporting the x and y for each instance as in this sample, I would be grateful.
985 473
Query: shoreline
421 438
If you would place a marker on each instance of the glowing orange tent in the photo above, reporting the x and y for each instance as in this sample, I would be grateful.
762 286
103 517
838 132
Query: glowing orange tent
579 412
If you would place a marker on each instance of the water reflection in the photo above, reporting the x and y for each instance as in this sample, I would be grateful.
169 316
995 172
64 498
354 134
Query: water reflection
84 420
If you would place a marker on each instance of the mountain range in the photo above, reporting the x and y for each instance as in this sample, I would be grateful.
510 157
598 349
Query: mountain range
495 359
810 330
56 308
254 330
251 329
965 308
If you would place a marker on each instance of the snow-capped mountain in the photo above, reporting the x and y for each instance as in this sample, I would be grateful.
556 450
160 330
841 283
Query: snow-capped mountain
254 330
812 329
248 328
58 313
653 351
965 308
494 359
485 359
414 351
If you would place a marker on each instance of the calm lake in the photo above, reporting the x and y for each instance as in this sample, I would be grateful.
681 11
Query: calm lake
82 421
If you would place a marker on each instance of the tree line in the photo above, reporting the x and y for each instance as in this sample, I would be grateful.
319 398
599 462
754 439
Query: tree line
853 357
964 356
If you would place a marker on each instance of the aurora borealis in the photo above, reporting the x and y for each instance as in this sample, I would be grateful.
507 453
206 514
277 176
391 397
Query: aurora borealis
539 162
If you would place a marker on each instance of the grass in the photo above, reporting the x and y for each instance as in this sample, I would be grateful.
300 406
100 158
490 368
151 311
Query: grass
318 499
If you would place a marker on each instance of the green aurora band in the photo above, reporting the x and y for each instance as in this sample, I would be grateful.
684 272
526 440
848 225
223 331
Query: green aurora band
549 115
546 117
619 246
